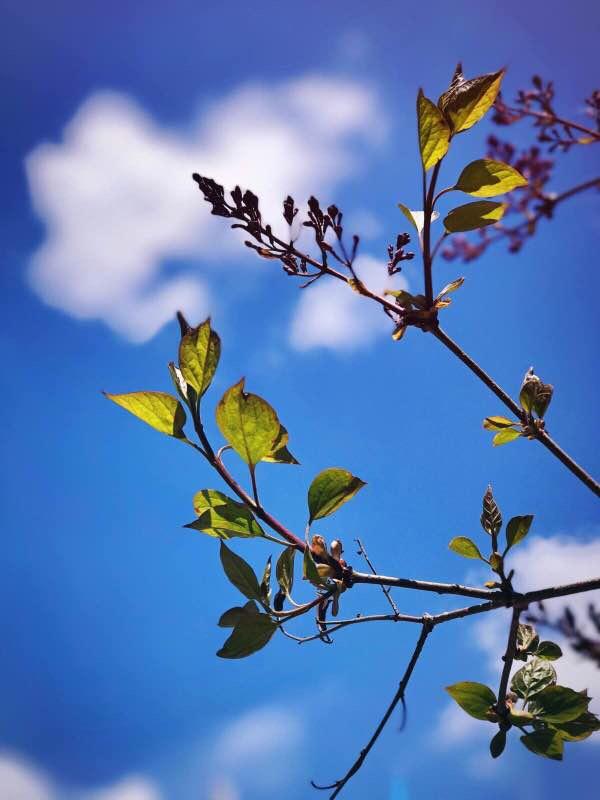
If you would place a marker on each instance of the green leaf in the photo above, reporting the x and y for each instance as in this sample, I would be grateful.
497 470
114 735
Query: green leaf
251 633
487 178
434 133
498 423
496 562
505 436
527 641
184 390
498 744
533 678
248 422
265 584
310 571
543 397
466 102
517 529
476 699
230 618
491 518
240 573
330 489
160 410
222 517
549 651
544 743
279 453
284 570
199 352
558 703
578 729
451 287
408 214
471 216
416 218
465 547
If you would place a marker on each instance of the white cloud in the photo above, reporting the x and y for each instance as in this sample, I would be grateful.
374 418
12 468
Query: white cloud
538 563
330 315
118 202
131 788
20 781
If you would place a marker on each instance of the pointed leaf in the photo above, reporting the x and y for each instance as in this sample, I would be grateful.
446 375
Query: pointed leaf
434 133
558 703
505 436
416 218
471 216
240 573
329 490
466 102
533 678
491 518
498 744
222 517
549 651
517 529
487 178
476 699
230 618
160 410
465 547
251 633
578 729
279 453
451 287
248 422
498 423
544 743
284 570
265 584
199 353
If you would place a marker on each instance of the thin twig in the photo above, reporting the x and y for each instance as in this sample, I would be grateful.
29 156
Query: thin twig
339 785
552 119
362 552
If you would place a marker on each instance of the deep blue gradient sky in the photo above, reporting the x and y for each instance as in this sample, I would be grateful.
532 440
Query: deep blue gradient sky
109 607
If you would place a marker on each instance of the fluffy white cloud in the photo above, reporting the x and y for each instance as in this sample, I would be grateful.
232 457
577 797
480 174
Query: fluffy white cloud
132 788
119 206
330 315
537 563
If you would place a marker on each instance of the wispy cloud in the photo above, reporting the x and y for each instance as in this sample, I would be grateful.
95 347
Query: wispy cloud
120 210
330 315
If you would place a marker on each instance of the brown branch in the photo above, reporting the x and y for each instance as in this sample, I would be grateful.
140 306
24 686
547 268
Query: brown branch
508 659
424 586
552 119
362 552
399 696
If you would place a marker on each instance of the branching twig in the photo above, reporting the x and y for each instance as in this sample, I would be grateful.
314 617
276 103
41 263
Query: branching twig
362 552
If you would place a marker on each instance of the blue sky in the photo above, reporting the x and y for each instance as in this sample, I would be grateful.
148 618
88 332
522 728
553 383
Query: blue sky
110 686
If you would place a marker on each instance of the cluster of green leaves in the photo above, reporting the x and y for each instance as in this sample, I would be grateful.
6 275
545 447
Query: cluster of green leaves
550 714
251 427
534 398
516 530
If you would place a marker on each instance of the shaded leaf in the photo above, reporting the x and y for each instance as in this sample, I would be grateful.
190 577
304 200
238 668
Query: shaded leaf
434 133
487 178
517 529
549 651
265 584
160 410
451 287
240 573
284 570
199 353
186 393
491 518
310 569
230 618
558 703
498 423
544 743
476 699
578 729
466 102
533 678
329 490
222 517
527 641
471 216
498 744
248 423
251 633
465 547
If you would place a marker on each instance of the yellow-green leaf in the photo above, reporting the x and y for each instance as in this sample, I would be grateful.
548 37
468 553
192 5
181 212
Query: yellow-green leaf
330 489
434 133
248 422
498 423
199 352
505 436
488 178
222 517
279 452
463 546
466 102
476 699
517 529
160 410
471 216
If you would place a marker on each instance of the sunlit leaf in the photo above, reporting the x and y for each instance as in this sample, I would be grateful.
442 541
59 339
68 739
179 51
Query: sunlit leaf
199 352
284 570
467 101
531 679
465 547
471 216
505 436
498 423
222 517
329 490
517 529
160 410
248 422
279 452
488 178
476 699
434 133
